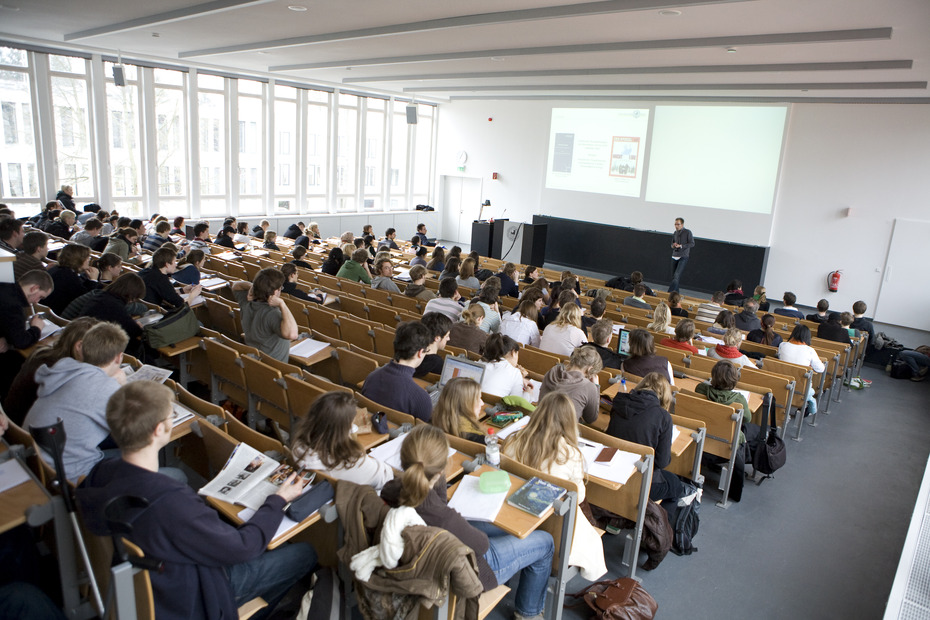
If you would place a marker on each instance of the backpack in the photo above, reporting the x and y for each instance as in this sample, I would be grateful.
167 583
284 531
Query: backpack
685 520
900 370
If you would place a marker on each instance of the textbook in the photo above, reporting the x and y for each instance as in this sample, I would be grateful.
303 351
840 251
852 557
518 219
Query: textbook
535 496
249 476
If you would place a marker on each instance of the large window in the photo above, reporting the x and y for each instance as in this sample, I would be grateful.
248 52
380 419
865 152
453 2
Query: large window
69 98
18 162
346 152
170 142
202 145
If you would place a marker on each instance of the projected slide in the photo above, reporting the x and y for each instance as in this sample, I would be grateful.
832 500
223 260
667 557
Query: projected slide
722 157
597 151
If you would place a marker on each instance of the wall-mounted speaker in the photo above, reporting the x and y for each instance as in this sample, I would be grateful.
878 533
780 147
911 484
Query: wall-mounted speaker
411 115
119 76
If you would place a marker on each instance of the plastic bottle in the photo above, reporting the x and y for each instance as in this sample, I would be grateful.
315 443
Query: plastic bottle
623 384
492 450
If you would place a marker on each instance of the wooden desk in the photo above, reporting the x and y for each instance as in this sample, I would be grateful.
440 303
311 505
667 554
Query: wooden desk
510 519
14 502
231 512
321 355
181 349
687 383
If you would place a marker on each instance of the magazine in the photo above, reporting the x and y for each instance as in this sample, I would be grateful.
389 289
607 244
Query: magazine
180 415
249 477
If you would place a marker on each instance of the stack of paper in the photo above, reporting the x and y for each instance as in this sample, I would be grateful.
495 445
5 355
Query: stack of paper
532 394
474 505
308 347
618 469
212 283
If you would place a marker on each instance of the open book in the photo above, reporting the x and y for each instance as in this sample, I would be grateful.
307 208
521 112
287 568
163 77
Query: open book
249 477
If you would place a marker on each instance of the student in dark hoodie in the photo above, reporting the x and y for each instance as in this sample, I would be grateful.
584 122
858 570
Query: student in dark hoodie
642 417
210 566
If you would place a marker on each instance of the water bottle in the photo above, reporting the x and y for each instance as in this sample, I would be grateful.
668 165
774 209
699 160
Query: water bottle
623 384
492 450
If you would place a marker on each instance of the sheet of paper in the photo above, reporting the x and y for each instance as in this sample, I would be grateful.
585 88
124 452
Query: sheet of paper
474 505
675 433
147 373
710 339
181 414
512 428
745 394
402 274
12 475
618 469
196 301
150 318
532 394
48 328
210 283
308 347
227 255
617 327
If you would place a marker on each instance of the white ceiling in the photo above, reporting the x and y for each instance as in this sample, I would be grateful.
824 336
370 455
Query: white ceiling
789 50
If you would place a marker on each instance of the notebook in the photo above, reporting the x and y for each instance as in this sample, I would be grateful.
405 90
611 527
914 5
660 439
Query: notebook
456 367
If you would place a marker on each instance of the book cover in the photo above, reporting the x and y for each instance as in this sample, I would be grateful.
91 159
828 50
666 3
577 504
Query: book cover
535 496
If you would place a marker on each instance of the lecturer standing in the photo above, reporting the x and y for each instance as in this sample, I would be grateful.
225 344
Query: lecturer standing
682 242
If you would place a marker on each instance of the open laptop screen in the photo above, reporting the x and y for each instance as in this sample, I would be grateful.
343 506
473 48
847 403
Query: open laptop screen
189 232
458 367
623 344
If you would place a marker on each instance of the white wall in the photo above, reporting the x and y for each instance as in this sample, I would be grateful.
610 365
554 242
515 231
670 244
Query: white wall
874 159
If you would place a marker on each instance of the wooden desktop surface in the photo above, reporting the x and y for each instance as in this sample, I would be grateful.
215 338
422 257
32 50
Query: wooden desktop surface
511 519
14 502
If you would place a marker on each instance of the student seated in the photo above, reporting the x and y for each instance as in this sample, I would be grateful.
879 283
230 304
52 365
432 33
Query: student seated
439 326
448 301
298 253
260 229
735 295
333 262
729 350
821 315
643 358
747 320
323 441
294 230
683 338
601 335
210 566
508 277
32 253
419 257
488 299
503 376
72 276
789 300
266 320
392 385
500 556
577 379
861 323
641 416
242 234
23 391
798 350
661 320
123 244
389 235
722 322
448 268
201 240
158 237
674 305
421 236
459 408
467 333
720 389
111 304
417 287
636 299
594 312
289 271
178 229
565 333
385 278
637 278
832 328
158 287
189 269
356 268
15 332
109 267
269 238
549 443
707 312
77 393
766 333
90 236
225 238
521 323
466 275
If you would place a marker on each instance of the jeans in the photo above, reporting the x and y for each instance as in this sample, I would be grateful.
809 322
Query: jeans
24 600
678 268
530 556
271 574
914 360
665 486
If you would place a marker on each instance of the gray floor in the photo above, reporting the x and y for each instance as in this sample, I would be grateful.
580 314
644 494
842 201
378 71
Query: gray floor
820 540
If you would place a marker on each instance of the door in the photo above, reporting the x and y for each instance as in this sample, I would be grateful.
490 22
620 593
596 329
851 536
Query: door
461 201
904 296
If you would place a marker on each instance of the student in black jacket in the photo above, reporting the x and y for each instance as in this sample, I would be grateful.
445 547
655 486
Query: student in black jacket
289 270
294 231
73 276
833 328
225 238
110 305
158 287
332 264
15 299
298 253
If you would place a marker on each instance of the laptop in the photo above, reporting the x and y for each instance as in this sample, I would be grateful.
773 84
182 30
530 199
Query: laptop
623 343
189 232
456 367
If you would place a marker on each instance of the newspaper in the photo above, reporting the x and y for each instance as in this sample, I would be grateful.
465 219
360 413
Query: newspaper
249 477
147 373
180 415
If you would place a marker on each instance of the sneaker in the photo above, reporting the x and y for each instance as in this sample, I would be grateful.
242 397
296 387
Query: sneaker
519 616
924 371
917 378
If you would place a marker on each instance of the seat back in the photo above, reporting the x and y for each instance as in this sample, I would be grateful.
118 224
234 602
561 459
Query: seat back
354 367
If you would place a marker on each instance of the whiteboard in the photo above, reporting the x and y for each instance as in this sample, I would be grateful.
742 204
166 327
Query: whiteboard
904 298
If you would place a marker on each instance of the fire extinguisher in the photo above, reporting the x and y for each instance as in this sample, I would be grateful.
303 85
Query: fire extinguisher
833 281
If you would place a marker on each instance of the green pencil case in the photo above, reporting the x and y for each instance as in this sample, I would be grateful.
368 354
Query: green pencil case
494 482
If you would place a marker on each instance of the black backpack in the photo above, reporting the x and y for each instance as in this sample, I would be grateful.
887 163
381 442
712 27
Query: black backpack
900 370
685 521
